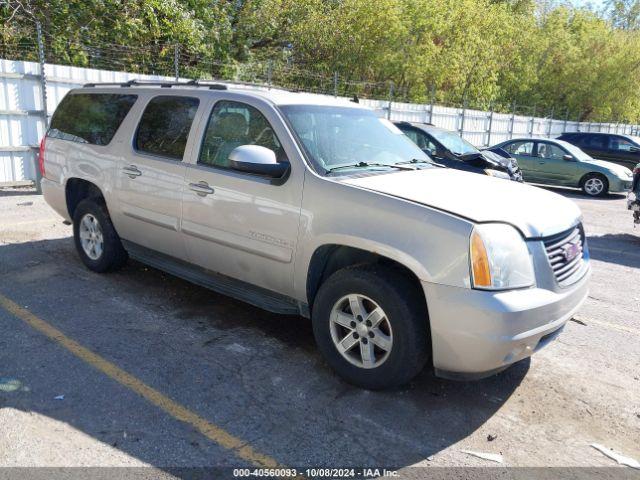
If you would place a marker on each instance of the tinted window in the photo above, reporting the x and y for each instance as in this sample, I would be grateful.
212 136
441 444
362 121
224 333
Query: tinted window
571 137
519 148
550 151
90 117
620 144
231 125
165 124
595 141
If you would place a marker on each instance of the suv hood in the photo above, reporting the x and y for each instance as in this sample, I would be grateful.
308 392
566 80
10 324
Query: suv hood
534 211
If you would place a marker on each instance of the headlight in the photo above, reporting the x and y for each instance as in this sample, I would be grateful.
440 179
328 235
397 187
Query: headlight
500 258
497 173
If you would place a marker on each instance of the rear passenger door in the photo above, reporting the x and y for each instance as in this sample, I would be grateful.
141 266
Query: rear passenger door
150 176
242 225
594 145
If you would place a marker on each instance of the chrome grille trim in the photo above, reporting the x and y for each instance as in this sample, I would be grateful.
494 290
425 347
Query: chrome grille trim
563 270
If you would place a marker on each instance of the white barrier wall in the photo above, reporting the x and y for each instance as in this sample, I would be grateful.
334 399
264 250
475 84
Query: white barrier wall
22 114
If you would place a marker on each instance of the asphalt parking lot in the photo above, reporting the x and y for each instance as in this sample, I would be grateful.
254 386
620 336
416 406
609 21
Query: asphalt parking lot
141 368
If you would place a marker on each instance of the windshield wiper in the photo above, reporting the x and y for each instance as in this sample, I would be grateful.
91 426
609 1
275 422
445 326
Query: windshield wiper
367 164
418 160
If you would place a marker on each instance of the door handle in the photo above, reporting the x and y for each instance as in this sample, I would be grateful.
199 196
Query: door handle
132 171
201 188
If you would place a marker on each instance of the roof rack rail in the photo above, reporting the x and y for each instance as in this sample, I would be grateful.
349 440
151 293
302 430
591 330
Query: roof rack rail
161 84
212 84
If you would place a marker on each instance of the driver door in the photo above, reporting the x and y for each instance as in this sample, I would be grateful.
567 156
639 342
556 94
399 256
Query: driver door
241 225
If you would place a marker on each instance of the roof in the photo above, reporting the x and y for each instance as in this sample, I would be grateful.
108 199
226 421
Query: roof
274 95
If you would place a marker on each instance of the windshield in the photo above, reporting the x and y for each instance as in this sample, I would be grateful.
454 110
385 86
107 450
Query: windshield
339 136
453 142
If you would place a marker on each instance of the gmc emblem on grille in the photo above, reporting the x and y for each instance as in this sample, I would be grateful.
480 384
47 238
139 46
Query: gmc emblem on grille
571 251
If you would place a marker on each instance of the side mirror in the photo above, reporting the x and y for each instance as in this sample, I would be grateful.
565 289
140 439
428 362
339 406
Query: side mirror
634 149
257 160
568 158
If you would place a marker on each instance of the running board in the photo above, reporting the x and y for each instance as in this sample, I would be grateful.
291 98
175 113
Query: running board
246 292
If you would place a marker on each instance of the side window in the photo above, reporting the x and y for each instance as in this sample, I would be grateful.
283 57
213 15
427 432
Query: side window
550 151
520 148
598 142
419 138
412 134
621 144
232 124
164 127
426 143
90 117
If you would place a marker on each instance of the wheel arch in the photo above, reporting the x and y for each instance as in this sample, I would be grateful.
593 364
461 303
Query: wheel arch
331 257
592 173
77 189
595 173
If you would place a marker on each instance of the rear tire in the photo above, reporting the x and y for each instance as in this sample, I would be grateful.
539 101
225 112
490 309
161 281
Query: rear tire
97 241
594 185
378 319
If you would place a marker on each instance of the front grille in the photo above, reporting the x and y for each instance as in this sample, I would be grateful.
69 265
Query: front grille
561 249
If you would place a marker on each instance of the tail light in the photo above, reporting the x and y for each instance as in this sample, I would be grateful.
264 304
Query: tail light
41 155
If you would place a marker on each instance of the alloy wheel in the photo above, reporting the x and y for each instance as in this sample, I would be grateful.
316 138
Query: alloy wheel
594 186
361 331
91 237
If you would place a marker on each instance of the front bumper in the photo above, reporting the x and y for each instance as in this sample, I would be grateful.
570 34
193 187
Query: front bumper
617 185
477 333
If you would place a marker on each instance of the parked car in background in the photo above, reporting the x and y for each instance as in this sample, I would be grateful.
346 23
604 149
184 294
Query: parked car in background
555 162
633 199
317 207
612 147
453 151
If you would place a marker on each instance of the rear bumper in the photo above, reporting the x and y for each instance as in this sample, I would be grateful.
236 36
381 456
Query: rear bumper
478 333
54 195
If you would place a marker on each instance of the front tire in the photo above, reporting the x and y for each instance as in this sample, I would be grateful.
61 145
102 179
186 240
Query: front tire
97 241
594 185
371 325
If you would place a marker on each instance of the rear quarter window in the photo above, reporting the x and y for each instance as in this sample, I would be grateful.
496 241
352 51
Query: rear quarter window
92 118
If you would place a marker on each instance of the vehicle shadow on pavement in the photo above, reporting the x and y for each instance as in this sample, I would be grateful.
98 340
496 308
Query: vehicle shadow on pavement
577 194
257 375
620 248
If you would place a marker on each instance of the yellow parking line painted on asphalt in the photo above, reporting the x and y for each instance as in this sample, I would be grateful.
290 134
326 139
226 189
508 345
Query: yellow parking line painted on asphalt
612 326
177 411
